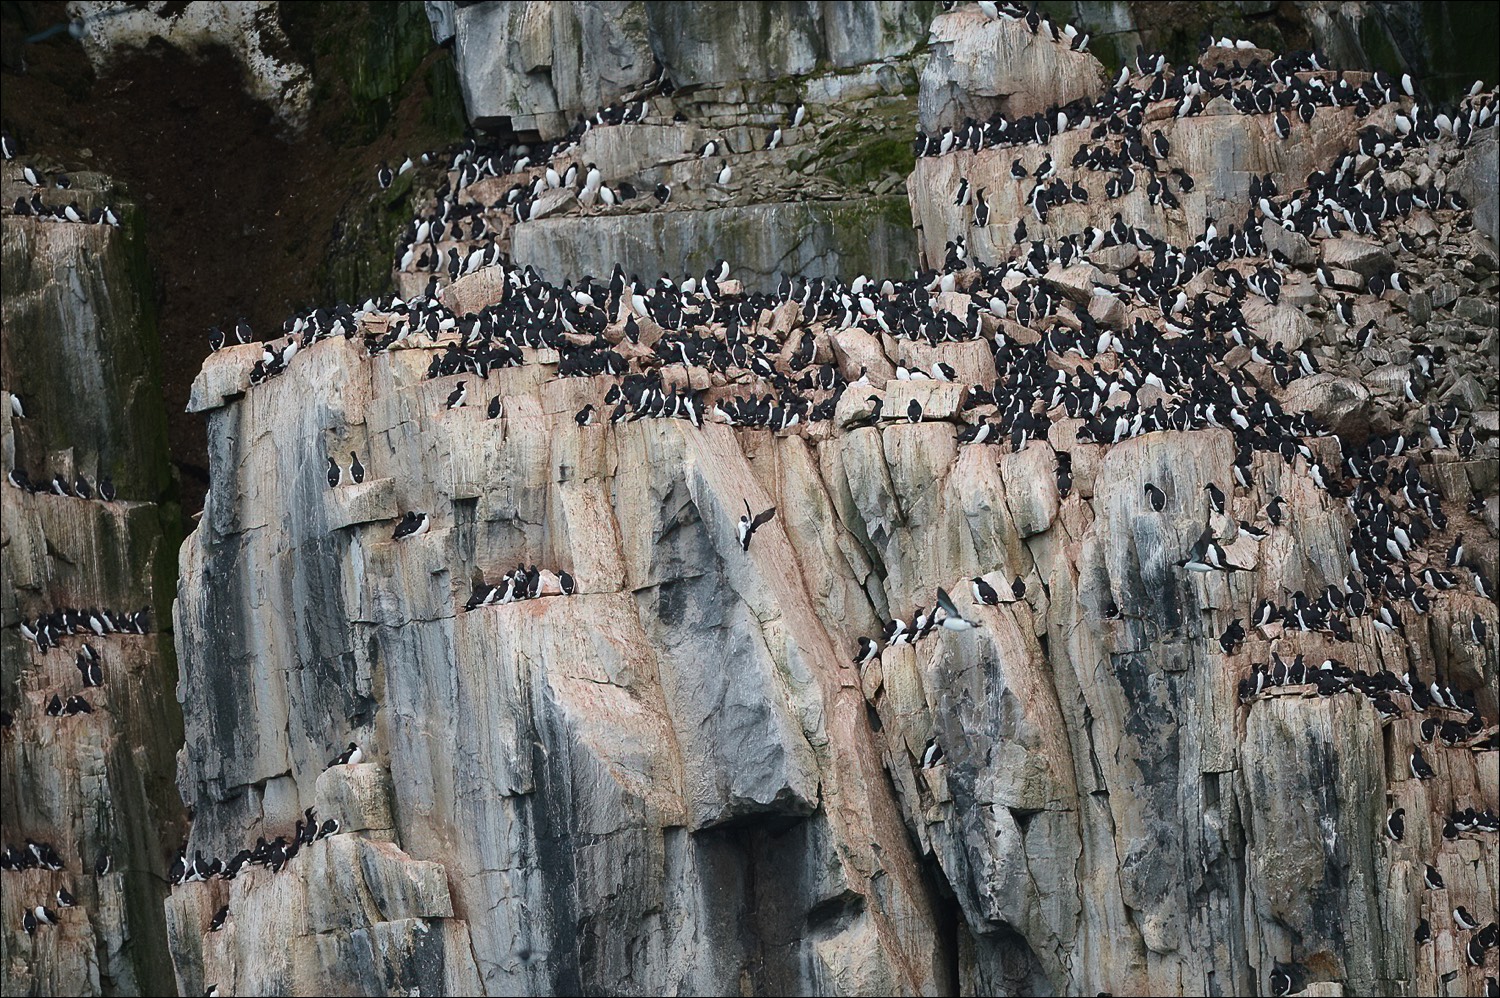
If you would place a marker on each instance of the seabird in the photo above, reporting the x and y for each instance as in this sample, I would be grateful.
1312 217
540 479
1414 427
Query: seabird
914 411
412 524
335 473
565 582
1155 497
952 619
352 755
868 651
456 397
1395 824
356 470
984 593
750 524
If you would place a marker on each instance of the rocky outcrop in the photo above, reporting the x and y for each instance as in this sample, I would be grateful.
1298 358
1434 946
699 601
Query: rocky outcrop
542 63
79 350
673 762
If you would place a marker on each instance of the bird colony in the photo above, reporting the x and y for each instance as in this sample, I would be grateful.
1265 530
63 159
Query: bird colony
1320 544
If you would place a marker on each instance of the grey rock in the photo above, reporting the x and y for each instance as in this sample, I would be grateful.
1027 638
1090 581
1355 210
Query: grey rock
761 241
1362 256
540 63
440 14
1476 179
1339 403
979 66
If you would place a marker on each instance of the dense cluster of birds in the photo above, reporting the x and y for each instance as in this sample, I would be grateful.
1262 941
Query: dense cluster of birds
474 231
49 629
1166 367
520 583
35 207
44 856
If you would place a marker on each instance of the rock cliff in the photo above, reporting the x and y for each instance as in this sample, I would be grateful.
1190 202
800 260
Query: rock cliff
79 351
1238 739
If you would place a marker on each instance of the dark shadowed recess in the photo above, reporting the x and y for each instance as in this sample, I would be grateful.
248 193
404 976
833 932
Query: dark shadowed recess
242 218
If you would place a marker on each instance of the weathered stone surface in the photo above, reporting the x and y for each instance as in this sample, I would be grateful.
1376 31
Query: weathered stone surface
765 240
359 797
539 63
1363 256
1339 403
78 348
1476 178
980 66
675 742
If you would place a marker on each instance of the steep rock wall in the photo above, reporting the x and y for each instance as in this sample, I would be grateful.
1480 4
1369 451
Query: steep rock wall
79 349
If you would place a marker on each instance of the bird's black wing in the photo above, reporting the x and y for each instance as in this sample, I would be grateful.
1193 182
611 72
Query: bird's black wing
761 518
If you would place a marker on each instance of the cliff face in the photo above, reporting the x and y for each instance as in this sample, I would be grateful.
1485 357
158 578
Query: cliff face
674 779
79 349
667 772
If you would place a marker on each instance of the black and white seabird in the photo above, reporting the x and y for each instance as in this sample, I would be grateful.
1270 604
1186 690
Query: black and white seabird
220 917
494 409
1215 497
984 593
1419 766
1395 824
952 619
1155 497
356 470
869 650
64 899
1433 879
457 396
1464 920
750 524
335 473
412 525
914 411
352 755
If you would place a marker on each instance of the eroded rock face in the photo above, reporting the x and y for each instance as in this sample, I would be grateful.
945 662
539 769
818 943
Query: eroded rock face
78 350
542 63
643 757
674 780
